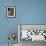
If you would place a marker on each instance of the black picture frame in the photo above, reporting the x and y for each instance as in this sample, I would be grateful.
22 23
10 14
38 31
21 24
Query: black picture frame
13 12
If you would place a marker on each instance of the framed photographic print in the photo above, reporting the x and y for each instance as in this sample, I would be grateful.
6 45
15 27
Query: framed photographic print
11 12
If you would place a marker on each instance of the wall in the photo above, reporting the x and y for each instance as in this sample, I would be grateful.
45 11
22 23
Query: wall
27 12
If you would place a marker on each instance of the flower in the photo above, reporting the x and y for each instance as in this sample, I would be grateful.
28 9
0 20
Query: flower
12 36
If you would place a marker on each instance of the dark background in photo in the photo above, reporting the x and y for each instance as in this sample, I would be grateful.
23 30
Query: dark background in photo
11 11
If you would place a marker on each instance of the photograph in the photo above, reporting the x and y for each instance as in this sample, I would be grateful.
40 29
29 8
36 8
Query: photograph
11 11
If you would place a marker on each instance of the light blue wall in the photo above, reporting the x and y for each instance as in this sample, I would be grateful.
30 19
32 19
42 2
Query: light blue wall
27 12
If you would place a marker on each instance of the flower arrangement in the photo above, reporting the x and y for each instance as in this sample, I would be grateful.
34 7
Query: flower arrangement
12 36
